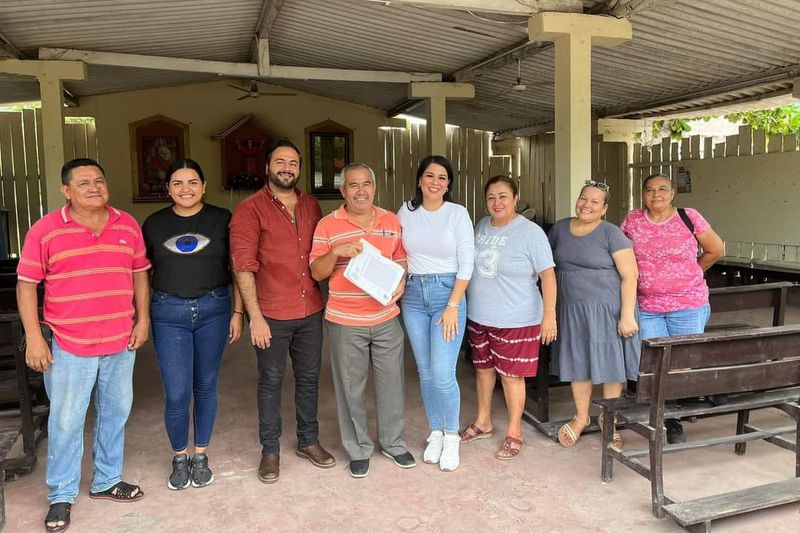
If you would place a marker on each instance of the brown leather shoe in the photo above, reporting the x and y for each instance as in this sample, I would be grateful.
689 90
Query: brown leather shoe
270 468
317 455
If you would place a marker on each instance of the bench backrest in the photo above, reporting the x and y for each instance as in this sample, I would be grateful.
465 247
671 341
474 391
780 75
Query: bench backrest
758 296
716 363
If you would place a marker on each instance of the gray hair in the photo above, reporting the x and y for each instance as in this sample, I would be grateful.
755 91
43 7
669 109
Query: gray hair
353 166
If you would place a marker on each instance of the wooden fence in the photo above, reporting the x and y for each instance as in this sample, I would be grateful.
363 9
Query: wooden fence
468 150
21 164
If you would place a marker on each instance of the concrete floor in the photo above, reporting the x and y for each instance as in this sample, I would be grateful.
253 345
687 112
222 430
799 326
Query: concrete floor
546 488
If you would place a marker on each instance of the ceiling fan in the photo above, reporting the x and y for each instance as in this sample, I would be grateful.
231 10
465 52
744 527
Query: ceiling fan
253 91
518 85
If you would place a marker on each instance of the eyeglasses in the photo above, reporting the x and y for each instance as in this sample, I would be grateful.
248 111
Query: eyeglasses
597 185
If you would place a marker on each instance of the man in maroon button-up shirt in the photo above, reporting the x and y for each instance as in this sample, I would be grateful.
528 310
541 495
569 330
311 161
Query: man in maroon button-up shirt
270 236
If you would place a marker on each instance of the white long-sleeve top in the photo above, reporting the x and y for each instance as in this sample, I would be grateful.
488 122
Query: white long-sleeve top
438 242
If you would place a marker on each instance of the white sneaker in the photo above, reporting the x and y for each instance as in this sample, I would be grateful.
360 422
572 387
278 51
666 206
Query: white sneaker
448 460
434 448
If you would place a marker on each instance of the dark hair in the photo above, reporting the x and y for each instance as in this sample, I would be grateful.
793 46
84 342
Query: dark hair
415 202
656 176
66 170
191 164
508 180
283 143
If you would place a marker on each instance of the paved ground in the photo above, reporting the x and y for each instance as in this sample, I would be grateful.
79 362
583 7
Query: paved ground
546 488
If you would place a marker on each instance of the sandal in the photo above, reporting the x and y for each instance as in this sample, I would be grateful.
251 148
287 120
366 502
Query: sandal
121 492
58 512
567 436
616 438
508 451
473 432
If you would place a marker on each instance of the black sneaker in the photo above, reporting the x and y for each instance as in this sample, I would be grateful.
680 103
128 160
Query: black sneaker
675 433
179 478
359 467
201 474
403 460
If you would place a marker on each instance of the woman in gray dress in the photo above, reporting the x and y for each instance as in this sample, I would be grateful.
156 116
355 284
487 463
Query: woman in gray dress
598 339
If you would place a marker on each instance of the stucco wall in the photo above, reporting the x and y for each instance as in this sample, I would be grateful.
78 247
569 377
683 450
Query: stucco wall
210 108
748 198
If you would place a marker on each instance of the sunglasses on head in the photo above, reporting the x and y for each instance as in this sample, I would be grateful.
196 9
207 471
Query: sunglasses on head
597 185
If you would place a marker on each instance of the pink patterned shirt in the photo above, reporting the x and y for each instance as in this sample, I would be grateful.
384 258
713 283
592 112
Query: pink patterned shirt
670 279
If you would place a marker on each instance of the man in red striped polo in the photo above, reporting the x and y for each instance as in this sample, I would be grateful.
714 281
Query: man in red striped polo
92 260
361 330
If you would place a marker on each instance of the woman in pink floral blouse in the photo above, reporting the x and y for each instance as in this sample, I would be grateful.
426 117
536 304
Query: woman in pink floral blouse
672 294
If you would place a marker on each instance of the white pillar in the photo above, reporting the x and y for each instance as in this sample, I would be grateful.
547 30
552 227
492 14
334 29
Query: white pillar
50 75
573 35
436 94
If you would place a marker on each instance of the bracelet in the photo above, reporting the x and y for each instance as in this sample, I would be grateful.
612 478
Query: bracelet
238 312
452 305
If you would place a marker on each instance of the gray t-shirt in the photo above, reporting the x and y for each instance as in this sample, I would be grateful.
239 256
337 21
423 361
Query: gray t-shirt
503 292
592 251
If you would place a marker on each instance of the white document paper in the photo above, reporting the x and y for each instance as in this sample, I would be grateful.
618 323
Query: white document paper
373 273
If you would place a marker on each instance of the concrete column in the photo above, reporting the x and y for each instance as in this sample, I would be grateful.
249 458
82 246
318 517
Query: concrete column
50 89
50 75
573 35
436 94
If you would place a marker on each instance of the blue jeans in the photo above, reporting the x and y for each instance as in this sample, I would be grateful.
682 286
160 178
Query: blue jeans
71 381
189 335
423 302
681 322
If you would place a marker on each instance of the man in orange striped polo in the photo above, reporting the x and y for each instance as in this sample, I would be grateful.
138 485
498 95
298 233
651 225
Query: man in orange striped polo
92 260
361 330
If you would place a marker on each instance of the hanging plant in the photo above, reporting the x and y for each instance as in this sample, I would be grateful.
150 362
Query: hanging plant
674 129
780 120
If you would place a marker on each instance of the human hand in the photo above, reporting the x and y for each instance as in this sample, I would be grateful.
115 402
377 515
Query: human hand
260 333
139 334
549 330
235 327
627 327
37 354
449 322
350 249
398 292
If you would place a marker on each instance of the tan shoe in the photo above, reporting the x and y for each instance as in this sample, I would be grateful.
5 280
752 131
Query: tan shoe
317 455
270 468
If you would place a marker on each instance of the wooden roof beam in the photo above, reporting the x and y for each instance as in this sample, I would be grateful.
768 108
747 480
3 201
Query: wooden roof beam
236 70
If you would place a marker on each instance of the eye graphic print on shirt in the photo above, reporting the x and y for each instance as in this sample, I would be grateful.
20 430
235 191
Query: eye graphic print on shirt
186 244
488 256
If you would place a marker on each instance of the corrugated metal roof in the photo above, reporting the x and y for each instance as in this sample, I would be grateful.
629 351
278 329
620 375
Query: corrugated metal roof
680 48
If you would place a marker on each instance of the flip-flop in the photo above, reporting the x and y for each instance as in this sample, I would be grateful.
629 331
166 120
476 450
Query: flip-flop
477 434
507 448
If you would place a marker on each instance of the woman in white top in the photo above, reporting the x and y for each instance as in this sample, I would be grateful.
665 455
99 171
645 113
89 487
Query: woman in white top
439 241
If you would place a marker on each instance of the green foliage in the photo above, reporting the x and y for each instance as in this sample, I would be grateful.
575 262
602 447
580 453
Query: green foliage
674 128
780 120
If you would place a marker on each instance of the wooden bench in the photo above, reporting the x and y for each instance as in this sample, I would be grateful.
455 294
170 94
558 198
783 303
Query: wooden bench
8 436
738 298
757 367
22 396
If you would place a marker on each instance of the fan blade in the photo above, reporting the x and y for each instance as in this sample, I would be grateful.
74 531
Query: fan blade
503 93
277 94
243 97
238 88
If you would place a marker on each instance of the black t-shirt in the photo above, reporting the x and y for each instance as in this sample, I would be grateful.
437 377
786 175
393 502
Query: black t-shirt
189 254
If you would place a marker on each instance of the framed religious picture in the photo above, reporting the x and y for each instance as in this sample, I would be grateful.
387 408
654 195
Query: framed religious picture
156 143
244 148
329 147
